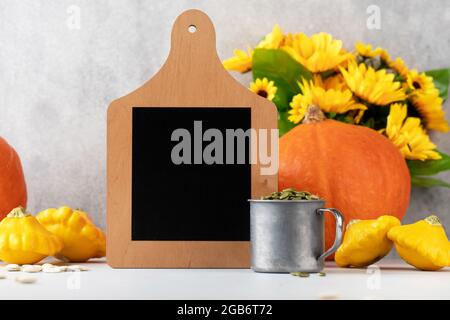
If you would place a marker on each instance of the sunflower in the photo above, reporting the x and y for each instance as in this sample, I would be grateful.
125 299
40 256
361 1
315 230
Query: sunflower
369 56
408 135
328 100
420 82
264 88
272 40
425 98
317 53
241 61
336 82
399 66
288 40
375 87
429 107
366 51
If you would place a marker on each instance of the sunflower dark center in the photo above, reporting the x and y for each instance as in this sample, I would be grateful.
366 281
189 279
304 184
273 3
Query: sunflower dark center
262 93
416 85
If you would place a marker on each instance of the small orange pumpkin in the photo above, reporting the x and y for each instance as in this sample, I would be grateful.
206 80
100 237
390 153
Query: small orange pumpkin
355 169
13 190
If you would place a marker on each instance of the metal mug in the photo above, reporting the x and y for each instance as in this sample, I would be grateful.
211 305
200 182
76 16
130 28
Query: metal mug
288 235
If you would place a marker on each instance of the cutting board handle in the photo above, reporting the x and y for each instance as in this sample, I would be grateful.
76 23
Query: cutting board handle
193 44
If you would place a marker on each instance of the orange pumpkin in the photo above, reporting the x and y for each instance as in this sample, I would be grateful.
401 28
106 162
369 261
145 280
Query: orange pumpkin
13 191
355 169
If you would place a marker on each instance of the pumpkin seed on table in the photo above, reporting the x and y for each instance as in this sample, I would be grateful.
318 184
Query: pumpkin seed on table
12 267
329 296
77 268
25 279
53 269
50 268
31 268
300 274
290 194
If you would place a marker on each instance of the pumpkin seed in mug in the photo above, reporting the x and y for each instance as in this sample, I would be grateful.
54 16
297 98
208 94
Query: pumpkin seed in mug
290 194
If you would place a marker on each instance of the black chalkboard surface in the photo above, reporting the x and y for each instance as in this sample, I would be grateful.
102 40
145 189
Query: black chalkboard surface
194 202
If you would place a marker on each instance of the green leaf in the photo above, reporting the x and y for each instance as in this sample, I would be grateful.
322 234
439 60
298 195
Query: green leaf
344 118
370 123
331 115
284 125
429 167
428 182
441 79
283 70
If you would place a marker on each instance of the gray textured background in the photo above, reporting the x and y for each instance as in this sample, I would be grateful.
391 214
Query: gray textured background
56 82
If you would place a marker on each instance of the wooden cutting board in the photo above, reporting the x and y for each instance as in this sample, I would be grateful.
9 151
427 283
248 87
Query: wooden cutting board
163 215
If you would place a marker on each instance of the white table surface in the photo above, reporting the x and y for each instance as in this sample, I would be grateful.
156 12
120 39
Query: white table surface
385 280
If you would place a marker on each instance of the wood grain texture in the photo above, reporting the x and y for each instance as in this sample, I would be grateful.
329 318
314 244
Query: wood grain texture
192 76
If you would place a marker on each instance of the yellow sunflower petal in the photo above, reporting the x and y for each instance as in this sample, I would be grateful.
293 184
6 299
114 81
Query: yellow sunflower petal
425 98
407 134
272 40
367 51
336 82
429 106
399 66
328 100
375 87
317 53
241 61
420 82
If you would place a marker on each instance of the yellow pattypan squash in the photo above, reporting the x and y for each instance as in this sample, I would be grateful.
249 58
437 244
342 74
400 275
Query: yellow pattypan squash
365 242
423 244
23 240
82 239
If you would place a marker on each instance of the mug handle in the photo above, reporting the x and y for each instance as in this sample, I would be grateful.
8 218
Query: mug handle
339 231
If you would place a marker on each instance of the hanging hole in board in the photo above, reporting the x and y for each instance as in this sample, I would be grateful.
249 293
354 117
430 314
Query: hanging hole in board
192 28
